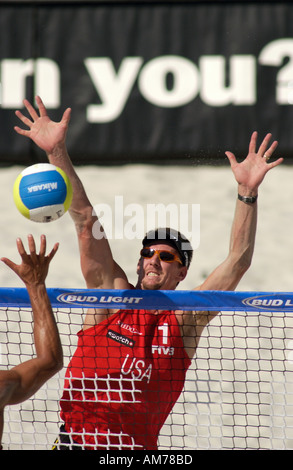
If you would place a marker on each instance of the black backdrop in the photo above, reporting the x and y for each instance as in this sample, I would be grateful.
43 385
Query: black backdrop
149 82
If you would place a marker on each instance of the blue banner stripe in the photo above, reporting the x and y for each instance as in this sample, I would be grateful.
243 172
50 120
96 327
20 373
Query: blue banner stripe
134 299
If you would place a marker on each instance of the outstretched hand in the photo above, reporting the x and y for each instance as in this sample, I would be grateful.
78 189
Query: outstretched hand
34 267
44 132
251 171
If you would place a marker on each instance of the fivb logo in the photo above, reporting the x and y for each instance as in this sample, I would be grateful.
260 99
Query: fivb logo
132 221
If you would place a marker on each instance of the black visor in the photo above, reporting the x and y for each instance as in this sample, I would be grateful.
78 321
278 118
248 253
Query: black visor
173 238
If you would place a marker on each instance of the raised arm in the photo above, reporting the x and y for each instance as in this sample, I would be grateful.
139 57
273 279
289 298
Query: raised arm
23 380
249 174
98 266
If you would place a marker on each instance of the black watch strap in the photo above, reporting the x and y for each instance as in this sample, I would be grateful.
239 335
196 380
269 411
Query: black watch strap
247 199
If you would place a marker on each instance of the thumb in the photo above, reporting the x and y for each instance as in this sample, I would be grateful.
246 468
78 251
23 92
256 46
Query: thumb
66 116
231 157
9 263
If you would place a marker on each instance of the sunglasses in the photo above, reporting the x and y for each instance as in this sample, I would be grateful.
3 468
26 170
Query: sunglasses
163 255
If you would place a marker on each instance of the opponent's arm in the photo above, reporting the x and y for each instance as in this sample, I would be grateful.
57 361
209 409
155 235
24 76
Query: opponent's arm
23 380
97 263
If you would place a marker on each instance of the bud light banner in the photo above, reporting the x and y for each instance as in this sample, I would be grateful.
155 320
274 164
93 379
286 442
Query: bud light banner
178 82
150 299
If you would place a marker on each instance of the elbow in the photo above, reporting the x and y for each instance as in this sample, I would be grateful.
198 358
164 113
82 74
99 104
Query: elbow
49 370
53 364
240 264
57 365
245 262
243 265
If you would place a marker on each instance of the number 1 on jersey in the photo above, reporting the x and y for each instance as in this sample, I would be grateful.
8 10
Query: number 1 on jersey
164 329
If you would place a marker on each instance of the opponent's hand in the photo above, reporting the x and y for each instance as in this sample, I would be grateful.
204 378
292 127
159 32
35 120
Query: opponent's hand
34 267
44 132
250 172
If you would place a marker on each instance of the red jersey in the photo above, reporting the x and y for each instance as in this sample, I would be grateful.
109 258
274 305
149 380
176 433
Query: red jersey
123 380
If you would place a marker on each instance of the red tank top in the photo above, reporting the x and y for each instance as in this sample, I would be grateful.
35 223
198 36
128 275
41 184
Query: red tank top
123 380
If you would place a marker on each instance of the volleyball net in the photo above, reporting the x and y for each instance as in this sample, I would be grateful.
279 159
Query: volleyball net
238 392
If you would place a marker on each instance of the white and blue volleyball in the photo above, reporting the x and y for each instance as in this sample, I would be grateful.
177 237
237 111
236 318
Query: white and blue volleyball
42 192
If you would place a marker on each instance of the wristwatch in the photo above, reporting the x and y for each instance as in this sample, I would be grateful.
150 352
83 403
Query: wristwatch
247 199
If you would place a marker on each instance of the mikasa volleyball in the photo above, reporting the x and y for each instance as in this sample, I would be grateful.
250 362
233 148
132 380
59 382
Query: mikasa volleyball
42 192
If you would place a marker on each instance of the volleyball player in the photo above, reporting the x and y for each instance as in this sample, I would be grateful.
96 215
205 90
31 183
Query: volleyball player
129 367
23 380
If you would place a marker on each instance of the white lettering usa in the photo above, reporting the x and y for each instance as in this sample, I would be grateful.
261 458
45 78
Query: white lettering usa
136 369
